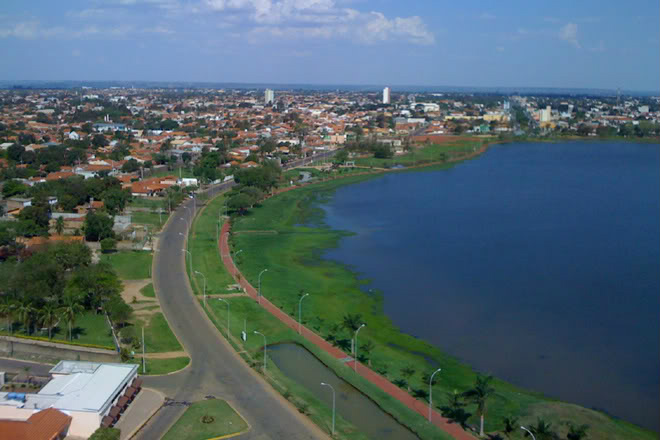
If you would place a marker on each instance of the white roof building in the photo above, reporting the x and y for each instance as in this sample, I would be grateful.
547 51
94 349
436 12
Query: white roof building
84 390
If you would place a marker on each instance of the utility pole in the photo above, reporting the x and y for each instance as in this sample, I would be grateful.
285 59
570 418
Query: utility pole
144 365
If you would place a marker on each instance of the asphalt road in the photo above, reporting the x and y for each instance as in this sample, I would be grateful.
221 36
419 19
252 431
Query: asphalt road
215 368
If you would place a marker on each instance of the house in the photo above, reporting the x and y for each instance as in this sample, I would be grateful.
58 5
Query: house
74 136
47 424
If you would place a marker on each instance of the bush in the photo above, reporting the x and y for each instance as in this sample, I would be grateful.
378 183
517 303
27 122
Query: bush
106 434
108 244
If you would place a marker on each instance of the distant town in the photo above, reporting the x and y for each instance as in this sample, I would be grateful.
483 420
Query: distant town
90 179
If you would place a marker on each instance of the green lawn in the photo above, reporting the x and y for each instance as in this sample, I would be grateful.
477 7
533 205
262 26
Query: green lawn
148 291
164 366
204 249
89 328
185 172
148 202
149 218
222 418
292 257
130 265
158 338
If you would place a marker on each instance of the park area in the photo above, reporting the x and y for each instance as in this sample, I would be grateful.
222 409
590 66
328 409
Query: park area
208 419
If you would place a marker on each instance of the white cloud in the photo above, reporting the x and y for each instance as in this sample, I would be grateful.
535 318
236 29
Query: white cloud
487 16
26 30
321 19
569 33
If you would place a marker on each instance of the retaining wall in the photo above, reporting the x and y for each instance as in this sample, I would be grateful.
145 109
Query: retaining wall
52 351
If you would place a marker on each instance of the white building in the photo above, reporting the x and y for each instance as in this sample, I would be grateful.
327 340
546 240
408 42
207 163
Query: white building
545 114
386 95
86 391
269 96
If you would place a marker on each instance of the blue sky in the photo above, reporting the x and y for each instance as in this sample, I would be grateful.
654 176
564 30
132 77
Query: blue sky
594 44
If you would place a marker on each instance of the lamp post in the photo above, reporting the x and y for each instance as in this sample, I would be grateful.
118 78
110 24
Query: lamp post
226 302
259 289
264 336
530 432
300 313
189 258
356 345
431 392
333 405
203 276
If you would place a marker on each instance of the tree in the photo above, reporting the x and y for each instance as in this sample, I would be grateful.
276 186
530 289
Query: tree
24 313
108 244
510 425
240 203
577 432
48 316
99 141
408 371
96 284
341 156
542 430
115 200
98 226
7 309
455 409
70 309
12 188
70 256
352 322
15 152
59 225
130 166
118 310
479 394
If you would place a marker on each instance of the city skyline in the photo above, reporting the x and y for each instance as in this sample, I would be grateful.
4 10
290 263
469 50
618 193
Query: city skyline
586 45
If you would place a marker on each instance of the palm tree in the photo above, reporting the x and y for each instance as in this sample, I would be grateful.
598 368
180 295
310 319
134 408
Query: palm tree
510 425
542 430
59 225
577 432
24 314
479 394
70 309
407 372
48 316
7 307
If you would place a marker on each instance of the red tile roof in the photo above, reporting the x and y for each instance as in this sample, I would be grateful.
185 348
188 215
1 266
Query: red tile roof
47 424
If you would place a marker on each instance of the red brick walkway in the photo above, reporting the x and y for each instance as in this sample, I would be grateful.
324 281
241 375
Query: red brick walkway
373 377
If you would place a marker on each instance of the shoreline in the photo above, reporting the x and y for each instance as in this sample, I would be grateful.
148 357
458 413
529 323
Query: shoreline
418 346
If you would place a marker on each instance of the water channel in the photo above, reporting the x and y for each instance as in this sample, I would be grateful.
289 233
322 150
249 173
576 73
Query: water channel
303 367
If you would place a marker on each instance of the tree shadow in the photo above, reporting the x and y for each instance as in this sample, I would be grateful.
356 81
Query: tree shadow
456 415
77 332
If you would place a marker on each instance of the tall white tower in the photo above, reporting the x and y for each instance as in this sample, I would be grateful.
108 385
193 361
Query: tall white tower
270 96
386 95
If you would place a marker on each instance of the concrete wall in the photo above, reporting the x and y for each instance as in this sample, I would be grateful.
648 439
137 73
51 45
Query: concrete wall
50 351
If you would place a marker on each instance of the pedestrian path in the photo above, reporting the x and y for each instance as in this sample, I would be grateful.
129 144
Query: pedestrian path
144 406
421 407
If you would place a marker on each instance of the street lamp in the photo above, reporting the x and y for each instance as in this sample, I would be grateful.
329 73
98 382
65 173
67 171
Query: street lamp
226 302
530 432
199 273
264 336
259 290
300 313
189 258
431 391
356 345
239 251
333 405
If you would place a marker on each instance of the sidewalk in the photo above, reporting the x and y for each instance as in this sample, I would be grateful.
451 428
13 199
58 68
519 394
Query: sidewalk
420 407
139 412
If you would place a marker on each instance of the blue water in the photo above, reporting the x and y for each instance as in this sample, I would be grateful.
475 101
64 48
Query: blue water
537 262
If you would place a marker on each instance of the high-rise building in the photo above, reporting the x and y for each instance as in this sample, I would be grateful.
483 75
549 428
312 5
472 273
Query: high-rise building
386 95
270 96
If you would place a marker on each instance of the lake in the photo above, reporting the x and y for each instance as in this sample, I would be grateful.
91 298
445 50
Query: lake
537 262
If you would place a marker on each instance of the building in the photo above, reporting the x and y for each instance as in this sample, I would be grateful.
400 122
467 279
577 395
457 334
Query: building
386 95
545 114
92 394
269 96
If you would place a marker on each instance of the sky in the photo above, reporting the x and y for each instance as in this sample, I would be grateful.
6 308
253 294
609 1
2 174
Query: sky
606 44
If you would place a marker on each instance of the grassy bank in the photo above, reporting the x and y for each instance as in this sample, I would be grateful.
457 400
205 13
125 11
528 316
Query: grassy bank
292 255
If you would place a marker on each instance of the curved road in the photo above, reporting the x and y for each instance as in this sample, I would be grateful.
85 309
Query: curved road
215 368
